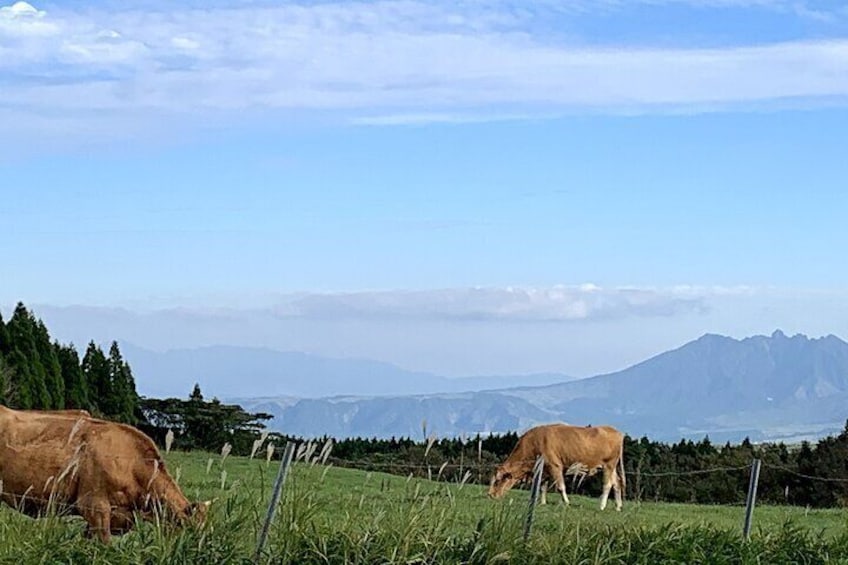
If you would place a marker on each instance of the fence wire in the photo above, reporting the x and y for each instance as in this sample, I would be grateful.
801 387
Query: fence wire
693 472
433 471
804 475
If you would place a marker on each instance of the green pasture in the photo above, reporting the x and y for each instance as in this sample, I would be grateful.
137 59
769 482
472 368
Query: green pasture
334 515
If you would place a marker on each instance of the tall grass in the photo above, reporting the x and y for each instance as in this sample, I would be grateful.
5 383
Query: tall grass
330 515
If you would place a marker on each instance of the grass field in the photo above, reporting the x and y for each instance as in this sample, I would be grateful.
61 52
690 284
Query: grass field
334 515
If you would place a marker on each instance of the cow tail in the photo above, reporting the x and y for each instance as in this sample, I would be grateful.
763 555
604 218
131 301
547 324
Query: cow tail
621 468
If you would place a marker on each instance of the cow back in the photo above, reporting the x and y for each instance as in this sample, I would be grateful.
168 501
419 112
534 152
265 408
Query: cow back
565 445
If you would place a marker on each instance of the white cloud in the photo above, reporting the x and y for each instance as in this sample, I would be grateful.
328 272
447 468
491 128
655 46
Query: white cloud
185 43
106 47
383 63
22 19
510 304
20 10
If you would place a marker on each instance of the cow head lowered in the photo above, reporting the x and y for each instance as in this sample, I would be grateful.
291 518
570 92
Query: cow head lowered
163 497
507 476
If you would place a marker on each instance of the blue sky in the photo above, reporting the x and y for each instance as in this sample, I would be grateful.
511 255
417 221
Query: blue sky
667 168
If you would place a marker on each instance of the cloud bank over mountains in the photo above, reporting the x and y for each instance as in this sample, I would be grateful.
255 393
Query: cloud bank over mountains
509 304
579 330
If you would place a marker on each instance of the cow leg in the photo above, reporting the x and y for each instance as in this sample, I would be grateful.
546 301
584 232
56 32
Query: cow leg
98 514
617 489
609 481
544 494
559 479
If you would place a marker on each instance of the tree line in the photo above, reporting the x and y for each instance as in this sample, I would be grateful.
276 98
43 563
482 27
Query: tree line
37 373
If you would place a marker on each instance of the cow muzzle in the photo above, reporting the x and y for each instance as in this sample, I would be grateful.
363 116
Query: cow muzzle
197 511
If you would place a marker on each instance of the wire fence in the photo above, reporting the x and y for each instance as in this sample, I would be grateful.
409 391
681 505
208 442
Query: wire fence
694 471
61 501
489 466
806 476
471 464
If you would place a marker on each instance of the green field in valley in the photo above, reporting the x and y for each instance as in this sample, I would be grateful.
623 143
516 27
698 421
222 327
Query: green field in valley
335 515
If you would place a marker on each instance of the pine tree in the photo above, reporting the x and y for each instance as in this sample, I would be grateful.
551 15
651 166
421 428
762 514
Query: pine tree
29 381
5 346
123 400
196 424
5 381
5 370
95 367
131 400
52 369
76 386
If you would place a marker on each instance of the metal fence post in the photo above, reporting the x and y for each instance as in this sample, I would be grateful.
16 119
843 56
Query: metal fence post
534 494
275 498
752 497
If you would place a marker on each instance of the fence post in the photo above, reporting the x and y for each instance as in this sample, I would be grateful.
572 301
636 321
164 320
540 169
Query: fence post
752 497
534 494
285 463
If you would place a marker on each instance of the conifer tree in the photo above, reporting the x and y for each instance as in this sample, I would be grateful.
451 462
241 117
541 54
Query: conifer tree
29 380
4 338
5 370
76 386
5 381
95 367
123 400
52 369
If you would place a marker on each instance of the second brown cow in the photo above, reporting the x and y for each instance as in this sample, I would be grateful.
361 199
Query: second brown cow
565 448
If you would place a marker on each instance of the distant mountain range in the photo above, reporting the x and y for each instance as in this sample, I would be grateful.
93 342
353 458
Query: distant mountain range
763 387
236 372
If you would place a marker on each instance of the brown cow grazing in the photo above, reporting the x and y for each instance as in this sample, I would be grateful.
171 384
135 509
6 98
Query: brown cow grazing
106 472
566 449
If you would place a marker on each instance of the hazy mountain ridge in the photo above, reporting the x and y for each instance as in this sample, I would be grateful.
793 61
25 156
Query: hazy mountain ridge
256 372
764 387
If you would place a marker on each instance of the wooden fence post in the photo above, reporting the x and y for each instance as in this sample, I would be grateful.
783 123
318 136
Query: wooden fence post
275 498
534 494
752 497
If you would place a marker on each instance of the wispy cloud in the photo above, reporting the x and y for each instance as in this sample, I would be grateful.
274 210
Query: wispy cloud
382 63
510 304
